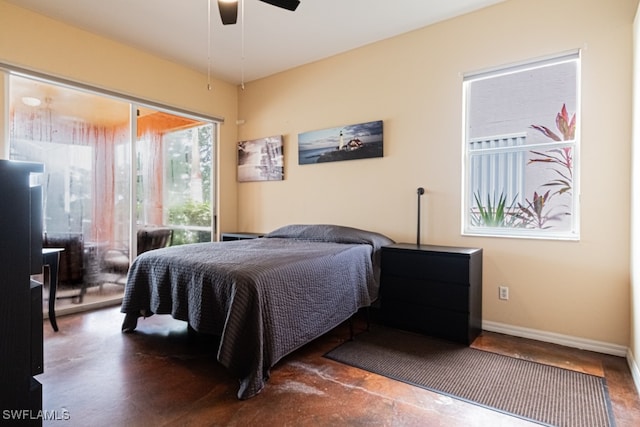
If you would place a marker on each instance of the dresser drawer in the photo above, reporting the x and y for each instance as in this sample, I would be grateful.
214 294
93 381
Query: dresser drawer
426 265
440 323
448 296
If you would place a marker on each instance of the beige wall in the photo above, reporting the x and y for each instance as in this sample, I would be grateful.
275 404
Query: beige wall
37 43
634 345
414 83
4 108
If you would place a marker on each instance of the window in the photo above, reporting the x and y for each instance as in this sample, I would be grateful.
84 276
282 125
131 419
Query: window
521 150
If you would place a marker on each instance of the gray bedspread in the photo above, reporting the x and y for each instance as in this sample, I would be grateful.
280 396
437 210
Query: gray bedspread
264 297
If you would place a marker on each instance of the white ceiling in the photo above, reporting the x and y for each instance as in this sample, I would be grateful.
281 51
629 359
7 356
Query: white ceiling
274 39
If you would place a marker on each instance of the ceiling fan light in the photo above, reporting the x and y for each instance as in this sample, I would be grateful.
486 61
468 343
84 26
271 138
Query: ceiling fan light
228 11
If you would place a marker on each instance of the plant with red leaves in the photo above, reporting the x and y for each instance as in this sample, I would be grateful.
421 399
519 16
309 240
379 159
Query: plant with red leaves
537 212
559 156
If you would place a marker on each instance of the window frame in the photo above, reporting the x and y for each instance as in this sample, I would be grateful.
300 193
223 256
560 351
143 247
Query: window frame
572 233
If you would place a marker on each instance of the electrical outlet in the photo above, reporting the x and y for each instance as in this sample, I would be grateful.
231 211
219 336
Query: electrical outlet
503 292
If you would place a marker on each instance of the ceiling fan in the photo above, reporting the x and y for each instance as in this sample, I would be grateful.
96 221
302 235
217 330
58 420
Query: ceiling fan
229 8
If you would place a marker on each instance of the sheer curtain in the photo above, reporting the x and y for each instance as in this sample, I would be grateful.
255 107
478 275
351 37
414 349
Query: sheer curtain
82 171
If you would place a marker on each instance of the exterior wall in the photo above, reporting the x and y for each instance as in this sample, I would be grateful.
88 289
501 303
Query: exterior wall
37 43
414 83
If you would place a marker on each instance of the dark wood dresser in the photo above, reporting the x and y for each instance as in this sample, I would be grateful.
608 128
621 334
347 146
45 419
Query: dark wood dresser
436 290
21 356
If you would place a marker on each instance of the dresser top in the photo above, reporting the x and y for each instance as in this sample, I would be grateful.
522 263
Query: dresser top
434 248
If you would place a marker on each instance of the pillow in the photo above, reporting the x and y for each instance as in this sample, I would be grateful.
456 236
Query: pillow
330 233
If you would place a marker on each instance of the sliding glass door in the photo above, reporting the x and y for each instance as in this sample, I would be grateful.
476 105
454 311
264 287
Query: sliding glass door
174 157
82 139
110 184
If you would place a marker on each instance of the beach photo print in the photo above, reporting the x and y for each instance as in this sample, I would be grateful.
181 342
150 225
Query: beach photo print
350 142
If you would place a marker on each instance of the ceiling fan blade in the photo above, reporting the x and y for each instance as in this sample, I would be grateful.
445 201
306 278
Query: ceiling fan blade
228 11
285 4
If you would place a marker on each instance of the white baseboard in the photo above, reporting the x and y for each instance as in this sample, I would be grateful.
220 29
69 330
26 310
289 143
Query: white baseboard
635 370
569 341
552 337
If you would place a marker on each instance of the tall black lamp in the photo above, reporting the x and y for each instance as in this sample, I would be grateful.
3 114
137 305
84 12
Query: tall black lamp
420 193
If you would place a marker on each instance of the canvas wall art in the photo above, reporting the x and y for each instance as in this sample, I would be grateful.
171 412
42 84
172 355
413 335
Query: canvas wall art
261 159
351 142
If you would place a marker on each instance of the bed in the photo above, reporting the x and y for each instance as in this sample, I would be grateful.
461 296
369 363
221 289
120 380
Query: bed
263 297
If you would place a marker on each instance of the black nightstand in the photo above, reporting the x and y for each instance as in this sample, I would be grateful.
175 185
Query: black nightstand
226 237
436 290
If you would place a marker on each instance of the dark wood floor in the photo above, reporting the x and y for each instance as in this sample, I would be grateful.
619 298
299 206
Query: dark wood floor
157 377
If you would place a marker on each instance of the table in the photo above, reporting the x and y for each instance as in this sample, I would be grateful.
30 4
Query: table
51 260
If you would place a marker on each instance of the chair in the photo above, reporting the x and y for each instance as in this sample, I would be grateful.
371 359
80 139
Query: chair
71 264
71 268
148 238
154 238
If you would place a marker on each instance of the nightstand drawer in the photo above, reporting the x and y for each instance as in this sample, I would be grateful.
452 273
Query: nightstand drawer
448 296
424 265
432 321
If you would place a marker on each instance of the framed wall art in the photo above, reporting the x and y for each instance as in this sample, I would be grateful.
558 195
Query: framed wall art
350 142
261 159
